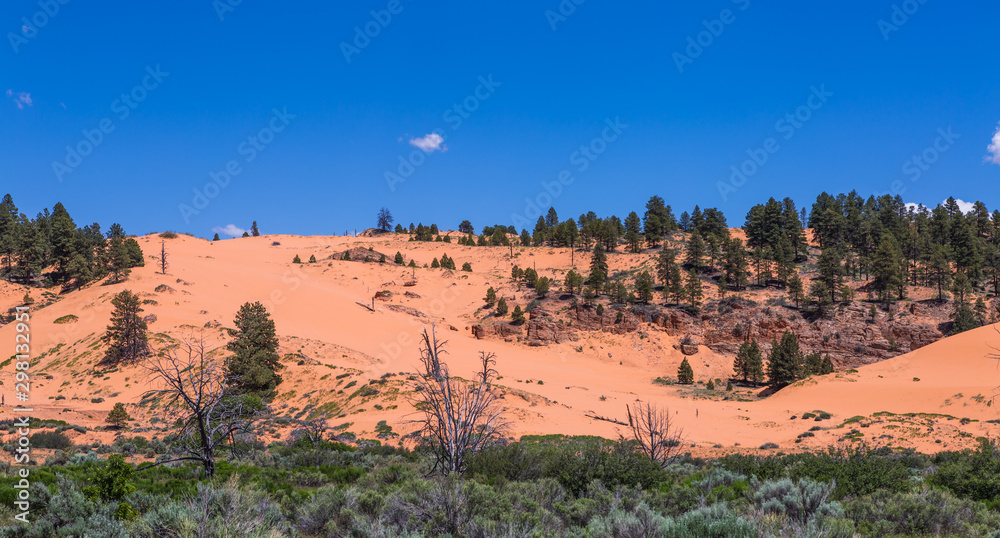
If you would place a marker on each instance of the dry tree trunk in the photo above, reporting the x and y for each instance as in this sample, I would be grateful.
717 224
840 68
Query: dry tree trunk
653 429
459 417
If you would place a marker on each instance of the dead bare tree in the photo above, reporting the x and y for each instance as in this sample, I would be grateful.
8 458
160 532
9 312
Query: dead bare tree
652 428
313 430
194 387
163 258
459 417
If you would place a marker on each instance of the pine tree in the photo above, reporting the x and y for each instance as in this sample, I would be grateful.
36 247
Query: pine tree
748 364
784 364
542 286
435 264
502 307
693 289
831 272
795 289
296 259
644 287
118 417
126 335
695 251
254 231
598 268
491 296
964 319
827 366
887 279
517 317
723 285
961 286
939 270
676 284
685 375
216 238
573 281
398 259
632 231
245 234
254 366
119 259
312 258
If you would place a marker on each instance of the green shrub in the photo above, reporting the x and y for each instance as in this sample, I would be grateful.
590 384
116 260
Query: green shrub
55 440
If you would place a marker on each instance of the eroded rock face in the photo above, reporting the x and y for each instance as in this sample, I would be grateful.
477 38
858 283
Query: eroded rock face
543 329
497 330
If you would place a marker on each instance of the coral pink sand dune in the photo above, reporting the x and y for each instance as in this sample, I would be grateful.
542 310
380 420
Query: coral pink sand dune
551 389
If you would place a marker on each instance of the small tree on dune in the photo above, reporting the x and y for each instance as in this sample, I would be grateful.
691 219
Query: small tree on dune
502 307
517 317
491 296
312 258
254 366
216 238
126 336
398 259
118 417
384 219
163 258
254 231
685 375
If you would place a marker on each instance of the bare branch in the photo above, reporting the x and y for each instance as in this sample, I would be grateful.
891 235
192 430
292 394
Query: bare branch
459 418
652 428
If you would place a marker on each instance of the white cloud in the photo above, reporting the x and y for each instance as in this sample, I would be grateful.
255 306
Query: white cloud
231 230
429 143
911 205
21 99
963 206
994 148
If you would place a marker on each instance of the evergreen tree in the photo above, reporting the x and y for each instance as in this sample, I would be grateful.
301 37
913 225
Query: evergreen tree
735 263
64 244
502 307
827 366
118 417
784 364
126 335
887 280
598 268
693 289
961 286
296 259
644 287
398 258
632 231
254 366
542 286
465 227
831 272
676 284
254 231
312 258
216 237
573 281
399 229
964 319
517 317
939 270
695 251
245 234
491 296
748 364
551 218
435 264
685 375
525 240
119 258
795 289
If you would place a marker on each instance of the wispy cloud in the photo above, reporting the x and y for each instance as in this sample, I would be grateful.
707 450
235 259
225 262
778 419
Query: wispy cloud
429 143
231 230
21 99
994 148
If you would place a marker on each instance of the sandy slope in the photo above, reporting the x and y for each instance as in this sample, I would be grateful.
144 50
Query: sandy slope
318 318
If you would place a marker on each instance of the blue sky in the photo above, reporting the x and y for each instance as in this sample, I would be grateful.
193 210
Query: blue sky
327 115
